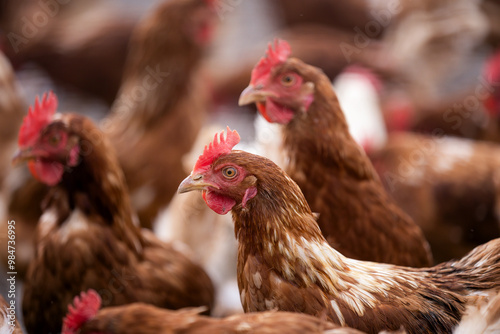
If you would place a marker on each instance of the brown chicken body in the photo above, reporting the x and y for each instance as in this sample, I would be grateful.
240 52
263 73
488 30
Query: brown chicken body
86 237
162 102
285 263
356 215
142 318
449 186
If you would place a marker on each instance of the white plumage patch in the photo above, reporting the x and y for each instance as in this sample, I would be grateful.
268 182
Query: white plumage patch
47 221
257 280
359 101
76 223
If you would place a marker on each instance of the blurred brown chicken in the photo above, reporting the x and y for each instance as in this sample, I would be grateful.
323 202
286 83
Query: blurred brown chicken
162 65
162 101
449 186
85 317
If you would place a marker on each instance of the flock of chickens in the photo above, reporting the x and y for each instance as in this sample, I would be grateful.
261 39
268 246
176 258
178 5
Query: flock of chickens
341 228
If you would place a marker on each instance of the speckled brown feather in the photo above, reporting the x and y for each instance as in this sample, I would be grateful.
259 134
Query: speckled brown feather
449 186
285 263
170 109
141 318
86 239
357 216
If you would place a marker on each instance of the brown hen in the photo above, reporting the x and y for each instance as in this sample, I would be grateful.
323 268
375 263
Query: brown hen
162 101
86 237
449 186
357 216
285 263
85 317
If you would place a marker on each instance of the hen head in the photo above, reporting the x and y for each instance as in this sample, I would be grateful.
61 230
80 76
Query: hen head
223 175
282 87
189 21
46 142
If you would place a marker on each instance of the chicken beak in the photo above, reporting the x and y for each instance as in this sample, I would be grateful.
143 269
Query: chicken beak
23 156
191 183
253 94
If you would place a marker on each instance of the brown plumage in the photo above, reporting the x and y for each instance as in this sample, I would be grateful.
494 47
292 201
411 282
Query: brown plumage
142 318
164 54
285 263
449 186
162 103
86 237
356 215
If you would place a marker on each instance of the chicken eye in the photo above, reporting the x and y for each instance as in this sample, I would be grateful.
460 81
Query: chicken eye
287 80
54 139
229 172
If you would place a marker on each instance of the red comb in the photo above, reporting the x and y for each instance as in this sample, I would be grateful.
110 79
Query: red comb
492 74
85 308
273 57
216 148
38 117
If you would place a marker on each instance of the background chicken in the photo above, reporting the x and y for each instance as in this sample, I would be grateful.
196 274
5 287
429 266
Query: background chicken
86 237
171 111
335 175
285 263
162 101
446 184
450 186
85 317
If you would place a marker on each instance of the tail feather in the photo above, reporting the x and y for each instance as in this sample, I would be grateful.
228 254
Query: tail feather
85 308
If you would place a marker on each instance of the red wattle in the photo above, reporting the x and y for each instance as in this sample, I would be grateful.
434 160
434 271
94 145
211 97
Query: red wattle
275 113
32 168
217 202
49 173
